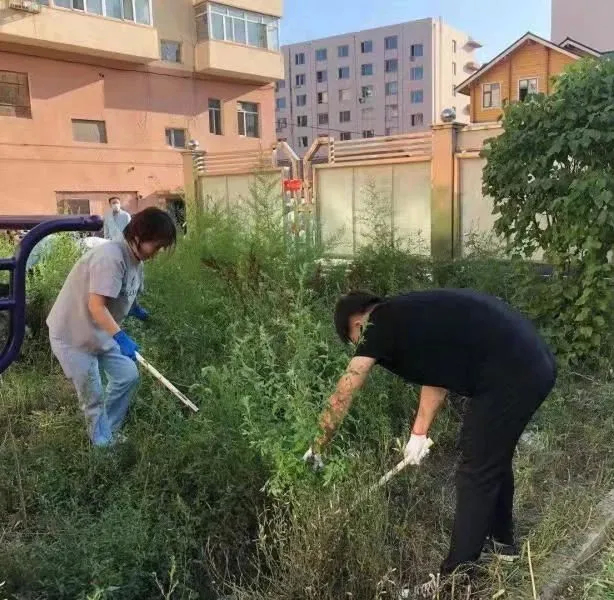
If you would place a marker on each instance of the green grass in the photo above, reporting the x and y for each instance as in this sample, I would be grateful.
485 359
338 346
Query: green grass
219 502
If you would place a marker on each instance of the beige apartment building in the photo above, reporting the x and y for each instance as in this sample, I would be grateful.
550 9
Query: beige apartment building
377 82
98 97
590 22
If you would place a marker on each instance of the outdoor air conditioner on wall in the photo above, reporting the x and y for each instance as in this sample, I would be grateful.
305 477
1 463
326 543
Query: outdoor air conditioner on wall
25 5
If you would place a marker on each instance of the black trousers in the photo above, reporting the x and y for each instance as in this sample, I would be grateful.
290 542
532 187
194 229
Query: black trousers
492 426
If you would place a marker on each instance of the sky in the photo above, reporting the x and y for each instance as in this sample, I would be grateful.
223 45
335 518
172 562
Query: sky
495 24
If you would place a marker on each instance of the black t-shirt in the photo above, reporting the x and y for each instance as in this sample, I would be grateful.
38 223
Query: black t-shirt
460 340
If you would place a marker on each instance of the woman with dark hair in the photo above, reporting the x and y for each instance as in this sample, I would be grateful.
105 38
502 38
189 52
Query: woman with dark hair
85 321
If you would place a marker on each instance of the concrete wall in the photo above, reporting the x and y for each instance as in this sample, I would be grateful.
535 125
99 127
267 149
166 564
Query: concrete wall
434 202
39 159
590 22
342 198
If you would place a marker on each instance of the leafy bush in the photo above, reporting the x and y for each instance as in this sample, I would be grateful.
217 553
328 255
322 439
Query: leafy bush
550 175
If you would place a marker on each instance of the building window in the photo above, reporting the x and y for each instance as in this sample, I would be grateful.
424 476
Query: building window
368 113
323 119
300 80
392 111
366 70
392 88
366 47
94 132
215 116
367 91
301 121
218 22
416 73
301 100
138 11
453 68
74 206
170 51
526 87
176 138
280 103
344 95
343 51
391 42
345 116
280 85
321 76
344 73
303 141
321 54
248 118
417 96
14 95
416 51
299 59
454 46
391 65
368 133
392 130
417 119
491 95
345 136
281 124
322 97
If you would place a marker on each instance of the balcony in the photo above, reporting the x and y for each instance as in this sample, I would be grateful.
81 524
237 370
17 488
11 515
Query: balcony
226 59
265 7
78 32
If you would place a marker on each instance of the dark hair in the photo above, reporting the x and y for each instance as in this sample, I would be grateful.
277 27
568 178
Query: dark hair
114 198
354 303
151 225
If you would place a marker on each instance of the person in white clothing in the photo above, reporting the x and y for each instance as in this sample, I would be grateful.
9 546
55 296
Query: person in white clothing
115 220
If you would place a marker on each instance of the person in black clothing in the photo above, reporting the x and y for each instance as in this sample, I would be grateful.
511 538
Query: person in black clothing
471 344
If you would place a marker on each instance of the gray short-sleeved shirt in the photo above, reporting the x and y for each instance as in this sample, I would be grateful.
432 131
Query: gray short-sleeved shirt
109 270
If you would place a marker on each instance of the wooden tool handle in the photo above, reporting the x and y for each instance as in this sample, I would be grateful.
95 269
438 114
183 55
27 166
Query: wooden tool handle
166 383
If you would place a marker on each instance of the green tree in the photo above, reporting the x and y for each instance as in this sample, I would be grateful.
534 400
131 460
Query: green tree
551 178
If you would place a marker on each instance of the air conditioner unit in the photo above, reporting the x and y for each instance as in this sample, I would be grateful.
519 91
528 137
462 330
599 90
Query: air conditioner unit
362 100
25 5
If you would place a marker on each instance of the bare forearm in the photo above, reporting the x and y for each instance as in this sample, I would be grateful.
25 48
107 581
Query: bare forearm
102 317
332 416
431 400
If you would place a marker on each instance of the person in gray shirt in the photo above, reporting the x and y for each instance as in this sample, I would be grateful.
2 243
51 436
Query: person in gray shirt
115 220
85 321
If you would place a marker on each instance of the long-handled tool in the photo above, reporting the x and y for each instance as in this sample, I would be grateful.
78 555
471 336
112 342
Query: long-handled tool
166 383
394 471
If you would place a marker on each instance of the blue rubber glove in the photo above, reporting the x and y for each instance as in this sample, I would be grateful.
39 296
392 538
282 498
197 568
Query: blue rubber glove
127 346
138 312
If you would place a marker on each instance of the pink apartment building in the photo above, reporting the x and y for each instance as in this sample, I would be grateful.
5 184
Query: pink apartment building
98 97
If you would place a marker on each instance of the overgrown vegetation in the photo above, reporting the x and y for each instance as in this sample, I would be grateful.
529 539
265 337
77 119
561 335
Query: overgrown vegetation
218 503
550 175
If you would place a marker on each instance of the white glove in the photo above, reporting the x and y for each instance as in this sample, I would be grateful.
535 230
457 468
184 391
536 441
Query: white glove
313 459
417 448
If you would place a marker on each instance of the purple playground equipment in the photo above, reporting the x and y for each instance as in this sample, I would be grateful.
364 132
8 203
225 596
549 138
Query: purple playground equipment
15 302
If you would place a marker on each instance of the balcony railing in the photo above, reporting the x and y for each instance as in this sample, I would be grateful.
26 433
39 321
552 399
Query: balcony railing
61 26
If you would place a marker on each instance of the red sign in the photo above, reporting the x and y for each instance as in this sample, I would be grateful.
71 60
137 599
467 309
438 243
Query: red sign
293 185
